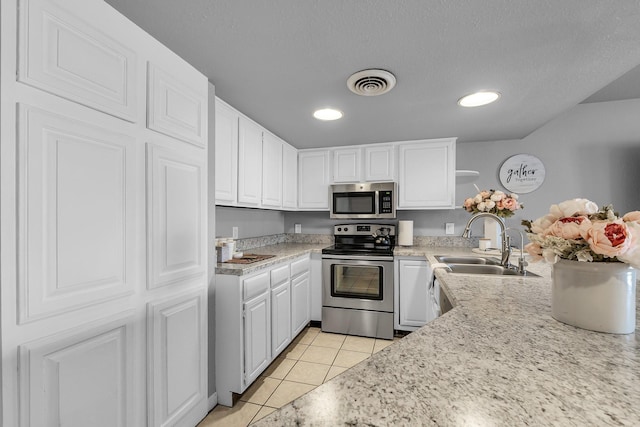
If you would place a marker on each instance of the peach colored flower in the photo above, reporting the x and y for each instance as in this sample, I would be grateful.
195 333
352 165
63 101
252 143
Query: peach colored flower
608 238
535 250
485 194
631 216
509 203
632 256
567 228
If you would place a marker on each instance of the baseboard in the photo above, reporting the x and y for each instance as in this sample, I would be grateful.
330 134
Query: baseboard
316 323
213 400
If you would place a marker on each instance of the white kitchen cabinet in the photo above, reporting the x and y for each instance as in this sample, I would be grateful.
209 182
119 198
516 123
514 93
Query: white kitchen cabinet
313 179
413 298
280 317
257 334
315 278
347 164
104 183
280 309
379 162
272 148
289 177
226 153
249 163
426 174
300 295
253 317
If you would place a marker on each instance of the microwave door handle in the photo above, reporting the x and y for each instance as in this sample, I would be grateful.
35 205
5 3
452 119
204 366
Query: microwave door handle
376 203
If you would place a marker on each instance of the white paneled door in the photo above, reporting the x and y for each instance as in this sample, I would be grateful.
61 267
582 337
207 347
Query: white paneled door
102 222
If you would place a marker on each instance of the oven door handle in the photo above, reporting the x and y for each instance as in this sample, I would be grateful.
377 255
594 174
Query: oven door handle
358 257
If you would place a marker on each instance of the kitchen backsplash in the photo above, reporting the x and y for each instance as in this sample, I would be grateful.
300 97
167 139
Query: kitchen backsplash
327 239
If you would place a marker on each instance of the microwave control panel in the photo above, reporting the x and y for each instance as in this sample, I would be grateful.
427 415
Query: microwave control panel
385 202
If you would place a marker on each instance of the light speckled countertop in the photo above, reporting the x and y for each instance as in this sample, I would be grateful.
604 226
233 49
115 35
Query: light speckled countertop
283 252
497 358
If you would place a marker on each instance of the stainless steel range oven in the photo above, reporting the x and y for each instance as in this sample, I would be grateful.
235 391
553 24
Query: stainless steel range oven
357 281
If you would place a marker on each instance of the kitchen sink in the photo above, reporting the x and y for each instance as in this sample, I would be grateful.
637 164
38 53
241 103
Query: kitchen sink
467 260
479 265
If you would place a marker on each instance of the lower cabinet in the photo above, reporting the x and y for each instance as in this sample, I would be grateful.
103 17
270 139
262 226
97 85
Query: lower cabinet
412 294
257 315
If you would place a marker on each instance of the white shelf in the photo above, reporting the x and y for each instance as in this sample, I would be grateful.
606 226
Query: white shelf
466 176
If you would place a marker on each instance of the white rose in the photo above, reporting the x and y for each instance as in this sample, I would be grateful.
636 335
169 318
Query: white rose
577 207
514 196
496 197
542 224
478 199
490 205
481 206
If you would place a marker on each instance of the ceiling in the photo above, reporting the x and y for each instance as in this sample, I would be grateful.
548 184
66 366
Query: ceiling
279 60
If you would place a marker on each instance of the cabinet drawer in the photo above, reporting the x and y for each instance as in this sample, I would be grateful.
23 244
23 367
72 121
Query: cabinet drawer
299 266
279 275
255 285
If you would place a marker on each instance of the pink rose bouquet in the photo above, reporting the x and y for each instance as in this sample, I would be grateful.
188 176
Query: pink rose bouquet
493 201
578 230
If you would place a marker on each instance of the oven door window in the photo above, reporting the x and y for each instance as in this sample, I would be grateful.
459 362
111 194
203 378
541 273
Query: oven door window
354 203
357 281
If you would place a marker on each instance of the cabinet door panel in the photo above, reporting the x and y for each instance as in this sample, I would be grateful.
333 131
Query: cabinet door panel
226 146
249 163
300 303
290 177
427 175
177 365
280 318
176 195
313 179
379 163
414 292
80 378
77 195
176 109
70 57
346 165
257 337
271 171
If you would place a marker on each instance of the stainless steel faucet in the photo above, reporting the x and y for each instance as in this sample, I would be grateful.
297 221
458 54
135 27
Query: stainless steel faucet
522 264
506 244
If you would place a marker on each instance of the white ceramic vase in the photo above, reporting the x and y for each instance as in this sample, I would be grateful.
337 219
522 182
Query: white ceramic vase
599 296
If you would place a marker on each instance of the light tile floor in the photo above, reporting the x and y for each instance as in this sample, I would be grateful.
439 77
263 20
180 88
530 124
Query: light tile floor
312 359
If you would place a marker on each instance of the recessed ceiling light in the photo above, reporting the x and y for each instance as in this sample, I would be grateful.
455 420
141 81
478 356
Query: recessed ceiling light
327 114
479 98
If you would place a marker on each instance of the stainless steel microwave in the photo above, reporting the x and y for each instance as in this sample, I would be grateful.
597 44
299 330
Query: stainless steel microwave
363 200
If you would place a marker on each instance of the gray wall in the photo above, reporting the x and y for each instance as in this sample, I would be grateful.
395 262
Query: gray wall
592 151
250 222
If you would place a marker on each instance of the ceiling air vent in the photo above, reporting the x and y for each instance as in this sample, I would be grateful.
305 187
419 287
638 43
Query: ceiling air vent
371 82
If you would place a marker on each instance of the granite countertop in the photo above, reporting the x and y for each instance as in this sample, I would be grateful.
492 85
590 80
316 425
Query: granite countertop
497 358
282 251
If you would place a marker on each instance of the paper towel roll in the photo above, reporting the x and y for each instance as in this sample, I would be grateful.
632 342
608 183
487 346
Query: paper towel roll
405 233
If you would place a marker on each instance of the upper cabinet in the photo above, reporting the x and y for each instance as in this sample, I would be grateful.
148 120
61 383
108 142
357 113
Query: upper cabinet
175 107
249 163
289 177
226 147
347 164
271 171
313 179
379 163
426 174
372 163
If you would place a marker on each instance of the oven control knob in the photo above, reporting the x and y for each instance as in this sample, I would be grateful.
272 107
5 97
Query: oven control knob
346 229
339 228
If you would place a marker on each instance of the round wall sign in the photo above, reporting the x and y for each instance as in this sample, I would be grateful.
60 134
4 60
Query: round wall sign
522 173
